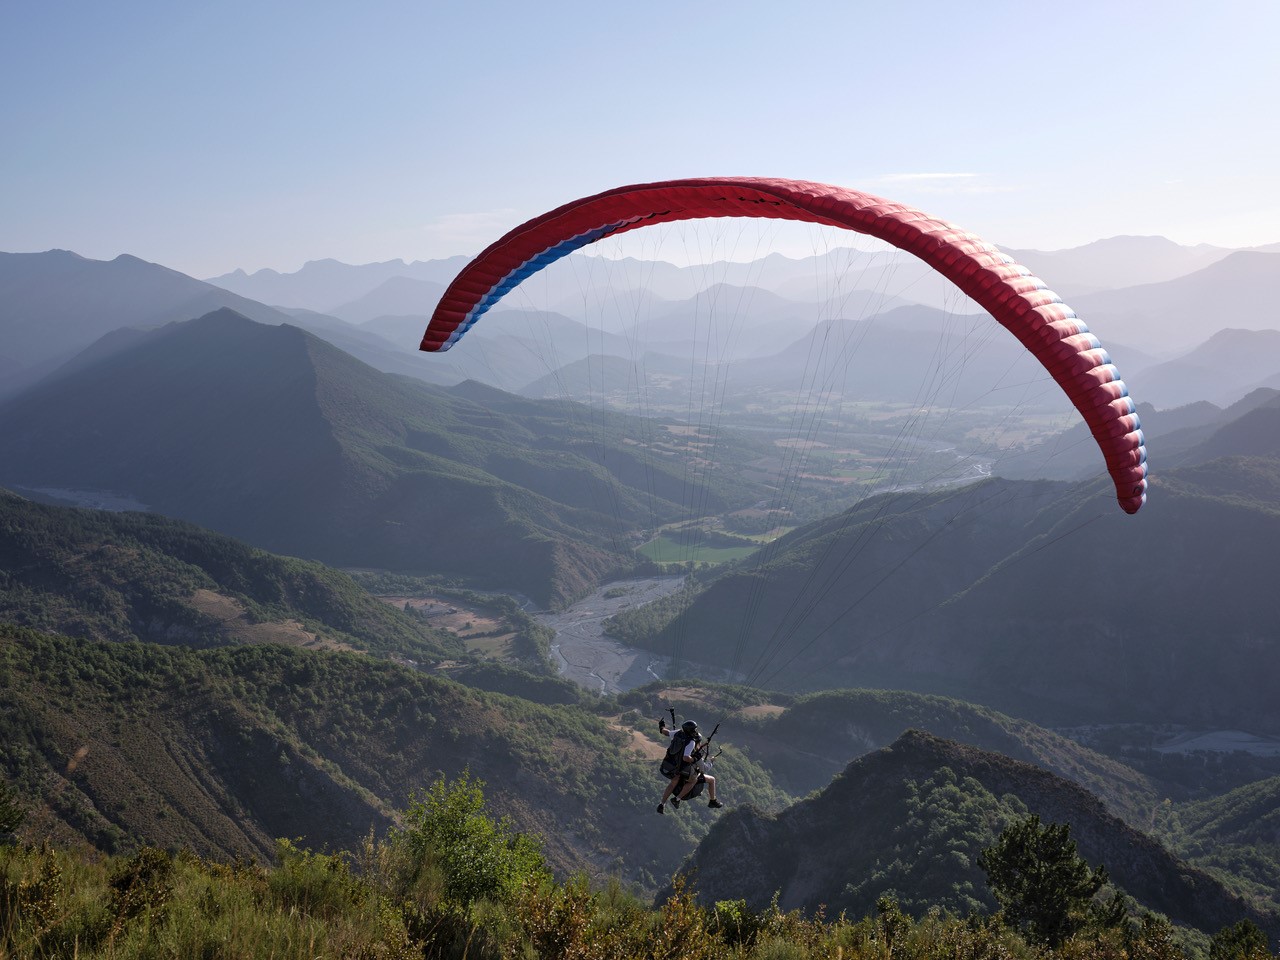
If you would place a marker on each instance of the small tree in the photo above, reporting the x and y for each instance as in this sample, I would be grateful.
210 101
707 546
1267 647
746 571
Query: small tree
478 857
1041 883
1240 941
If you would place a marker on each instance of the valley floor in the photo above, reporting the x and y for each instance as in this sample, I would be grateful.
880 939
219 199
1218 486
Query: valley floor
586 656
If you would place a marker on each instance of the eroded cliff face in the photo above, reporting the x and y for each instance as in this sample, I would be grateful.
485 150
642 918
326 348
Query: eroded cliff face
822 849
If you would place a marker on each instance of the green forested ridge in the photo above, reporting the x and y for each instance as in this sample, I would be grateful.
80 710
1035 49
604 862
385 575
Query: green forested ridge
1235 835
1017 594
828 729
133 576
274 436
802 742
912 817
224 750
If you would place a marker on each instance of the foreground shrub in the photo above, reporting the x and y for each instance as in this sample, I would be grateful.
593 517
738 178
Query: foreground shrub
478 857
455 884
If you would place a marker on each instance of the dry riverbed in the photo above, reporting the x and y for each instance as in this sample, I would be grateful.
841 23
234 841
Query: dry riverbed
589 658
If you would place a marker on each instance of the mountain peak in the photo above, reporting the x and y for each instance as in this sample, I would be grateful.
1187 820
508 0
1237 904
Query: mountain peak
1239 336
842 845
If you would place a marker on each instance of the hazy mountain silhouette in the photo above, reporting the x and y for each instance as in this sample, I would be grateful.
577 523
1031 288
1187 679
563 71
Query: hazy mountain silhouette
581 279
395 295
1116 262
322 285
1235 292
274 436
1154 297
1072 454
658 378
363 343
1254 431
1222 370
56 303
720 315
513 348
909 354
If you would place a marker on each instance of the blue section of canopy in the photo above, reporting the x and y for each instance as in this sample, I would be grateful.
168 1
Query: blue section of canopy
526 270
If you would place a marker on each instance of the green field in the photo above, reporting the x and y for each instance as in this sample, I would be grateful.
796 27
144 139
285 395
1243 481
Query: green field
665 550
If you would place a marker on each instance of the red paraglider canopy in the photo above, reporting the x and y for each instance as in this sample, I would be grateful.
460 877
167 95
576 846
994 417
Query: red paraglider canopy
1008 291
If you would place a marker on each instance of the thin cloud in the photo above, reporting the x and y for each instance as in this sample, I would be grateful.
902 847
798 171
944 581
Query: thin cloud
949 183
485 224
916 177
447 235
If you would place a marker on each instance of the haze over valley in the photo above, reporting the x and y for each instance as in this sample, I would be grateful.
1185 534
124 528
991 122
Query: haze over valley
424 426
839 521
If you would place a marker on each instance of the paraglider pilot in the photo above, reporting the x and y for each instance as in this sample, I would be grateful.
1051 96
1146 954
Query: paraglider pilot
686 765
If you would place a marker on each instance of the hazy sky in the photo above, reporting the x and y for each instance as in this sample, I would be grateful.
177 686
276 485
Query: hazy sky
209 136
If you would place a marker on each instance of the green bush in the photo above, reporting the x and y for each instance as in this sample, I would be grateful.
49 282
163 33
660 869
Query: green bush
479 857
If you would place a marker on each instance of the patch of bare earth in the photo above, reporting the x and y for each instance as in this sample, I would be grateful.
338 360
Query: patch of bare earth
762 710
642 747
477 628
234 622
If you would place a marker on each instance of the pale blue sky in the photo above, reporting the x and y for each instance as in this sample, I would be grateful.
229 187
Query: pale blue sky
257 134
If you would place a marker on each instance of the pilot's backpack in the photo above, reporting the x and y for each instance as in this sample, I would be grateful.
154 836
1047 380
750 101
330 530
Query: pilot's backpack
674 759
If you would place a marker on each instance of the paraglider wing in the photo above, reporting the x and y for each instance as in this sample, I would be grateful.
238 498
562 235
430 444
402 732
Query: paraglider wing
1008 291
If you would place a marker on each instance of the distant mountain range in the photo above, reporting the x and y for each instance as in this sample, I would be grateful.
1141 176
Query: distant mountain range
1174 315
1124 261
1116 262
325 285
274 436
1222 369
54 304
395 296
618 312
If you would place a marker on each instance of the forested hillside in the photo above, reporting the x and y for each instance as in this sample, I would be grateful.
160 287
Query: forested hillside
815 737
1039 599
225 750
274 436
912 819
1235 835
133 576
